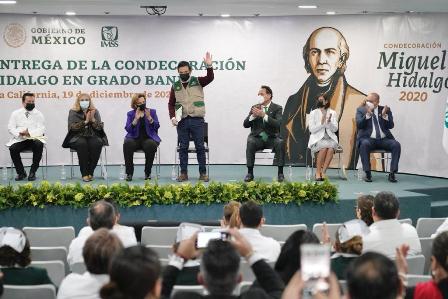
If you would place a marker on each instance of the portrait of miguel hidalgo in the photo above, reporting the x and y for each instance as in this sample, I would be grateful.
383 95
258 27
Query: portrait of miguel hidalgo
325 55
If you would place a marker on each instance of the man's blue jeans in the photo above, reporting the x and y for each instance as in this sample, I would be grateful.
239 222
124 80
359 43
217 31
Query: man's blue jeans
194 127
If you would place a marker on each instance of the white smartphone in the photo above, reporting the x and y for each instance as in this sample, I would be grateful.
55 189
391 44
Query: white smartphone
205 237
315 266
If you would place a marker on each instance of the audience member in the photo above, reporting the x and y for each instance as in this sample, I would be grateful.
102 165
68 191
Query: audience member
15 259
125 233
348 245
134 273
220 269
363 208
189 273
101 215
251 216
442 228
373 276
387 233
231 218
288 261
437 288
99 250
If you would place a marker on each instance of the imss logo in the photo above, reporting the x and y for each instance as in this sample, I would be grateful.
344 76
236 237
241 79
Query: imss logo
109 36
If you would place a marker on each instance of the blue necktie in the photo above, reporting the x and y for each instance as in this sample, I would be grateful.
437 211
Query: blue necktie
377 127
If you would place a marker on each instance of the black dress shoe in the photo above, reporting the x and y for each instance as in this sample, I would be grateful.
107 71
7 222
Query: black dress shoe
20 177
147 177
32 176
129 177
249 178
368 178
280 177
392 178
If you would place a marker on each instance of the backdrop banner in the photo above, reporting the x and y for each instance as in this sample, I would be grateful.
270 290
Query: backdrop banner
401 57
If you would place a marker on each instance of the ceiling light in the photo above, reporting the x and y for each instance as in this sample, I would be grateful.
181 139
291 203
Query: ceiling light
8 2
330 12
225 15
307 6
70 13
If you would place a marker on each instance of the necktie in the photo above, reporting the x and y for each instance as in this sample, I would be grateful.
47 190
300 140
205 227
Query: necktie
27 114
377 126
263 134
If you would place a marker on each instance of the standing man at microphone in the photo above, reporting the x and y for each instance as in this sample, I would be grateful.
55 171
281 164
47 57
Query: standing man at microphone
188 93
374 123
264 121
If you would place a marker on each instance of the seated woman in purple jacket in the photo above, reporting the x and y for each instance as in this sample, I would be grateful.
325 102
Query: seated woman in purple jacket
142 125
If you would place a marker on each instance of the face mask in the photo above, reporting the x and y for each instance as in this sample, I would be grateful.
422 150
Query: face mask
30 106
184 77
142 106
260 99
370 105
84 105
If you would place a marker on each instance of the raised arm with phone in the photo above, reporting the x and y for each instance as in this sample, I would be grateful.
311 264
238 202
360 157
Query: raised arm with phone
220 268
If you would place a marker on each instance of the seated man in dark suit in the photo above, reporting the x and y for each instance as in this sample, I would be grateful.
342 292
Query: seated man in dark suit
374 123
264 121
219 272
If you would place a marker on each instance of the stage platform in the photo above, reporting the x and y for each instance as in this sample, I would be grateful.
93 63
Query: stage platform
419 196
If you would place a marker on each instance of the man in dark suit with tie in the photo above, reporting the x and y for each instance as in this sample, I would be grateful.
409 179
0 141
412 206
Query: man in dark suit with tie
264 121
374 123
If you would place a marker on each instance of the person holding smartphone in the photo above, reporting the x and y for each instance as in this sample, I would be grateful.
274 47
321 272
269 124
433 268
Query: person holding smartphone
142 126
220 268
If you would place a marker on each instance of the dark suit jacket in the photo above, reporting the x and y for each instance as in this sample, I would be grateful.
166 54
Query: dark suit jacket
271 127
365 126
271 286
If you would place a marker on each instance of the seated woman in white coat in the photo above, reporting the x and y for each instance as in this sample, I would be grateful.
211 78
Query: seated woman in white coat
323 124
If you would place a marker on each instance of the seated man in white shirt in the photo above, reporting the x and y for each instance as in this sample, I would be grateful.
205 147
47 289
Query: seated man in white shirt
99 250
387 233
101 215
251 216
125 233
26 126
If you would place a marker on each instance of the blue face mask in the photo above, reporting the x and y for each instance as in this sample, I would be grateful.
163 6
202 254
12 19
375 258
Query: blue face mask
84 104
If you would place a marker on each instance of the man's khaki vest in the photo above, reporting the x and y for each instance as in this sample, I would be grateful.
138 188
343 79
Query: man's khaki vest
191 98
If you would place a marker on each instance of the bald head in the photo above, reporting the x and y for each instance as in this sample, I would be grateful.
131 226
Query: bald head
325 52
101 215
373 98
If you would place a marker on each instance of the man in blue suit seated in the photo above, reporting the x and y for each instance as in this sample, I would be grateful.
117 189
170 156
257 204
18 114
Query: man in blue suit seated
374 123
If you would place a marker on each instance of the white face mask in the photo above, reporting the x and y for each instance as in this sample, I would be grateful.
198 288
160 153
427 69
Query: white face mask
370 105
260 99
84 105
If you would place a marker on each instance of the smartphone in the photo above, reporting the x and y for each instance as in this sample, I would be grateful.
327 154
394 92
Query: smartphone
205 237
186 230
315 266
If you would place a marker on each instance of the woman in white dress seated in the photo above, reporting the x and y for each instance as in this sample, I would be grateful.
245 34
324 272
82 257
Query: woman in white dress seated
323 124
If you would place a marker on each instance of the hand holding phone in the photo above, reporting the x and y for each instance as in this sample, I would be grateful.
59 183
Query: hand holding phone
315 266
205 237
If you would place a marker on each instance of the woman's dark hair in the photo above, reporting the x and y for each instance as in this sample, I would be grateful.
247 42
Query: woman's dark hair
133 274
288 262
324 96
9 257
440 250
365 204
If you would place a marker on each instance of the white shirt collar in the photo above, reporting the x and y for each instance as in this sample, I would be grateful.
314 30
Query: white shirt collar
268 105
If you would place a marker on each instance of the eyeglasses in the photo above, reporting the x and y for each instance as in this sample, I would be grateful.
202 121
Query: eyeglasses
84 100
